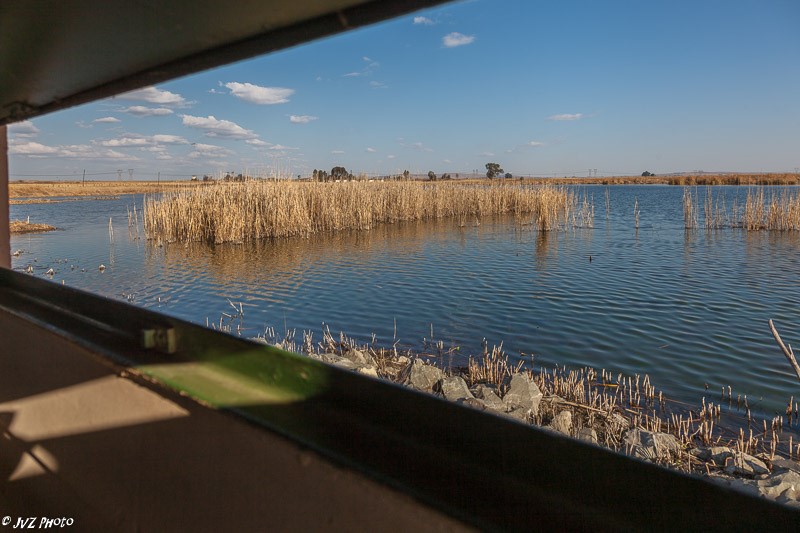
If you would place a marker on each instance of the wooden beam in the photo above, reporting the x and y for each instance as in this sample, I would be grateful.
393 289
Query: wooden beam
5 235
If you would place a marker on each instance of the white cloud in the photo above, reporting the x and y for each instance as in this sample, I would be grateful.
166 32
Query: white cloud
255 94
416 146
209 150
218 128
486 154
257 142
106 120
143 111
281 147
75 151
301 119
446 161
390 156
154 96
366 71
371 150
143 140
454 39
534 144
566 116
126 141
169 139
423 20
337 152
24 129
378 85
32 148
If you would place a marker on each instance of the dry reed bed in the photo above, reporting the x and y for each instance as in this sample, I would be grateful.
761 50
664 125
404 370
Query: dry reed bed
610 403
240 212
21 226
771 178
779 211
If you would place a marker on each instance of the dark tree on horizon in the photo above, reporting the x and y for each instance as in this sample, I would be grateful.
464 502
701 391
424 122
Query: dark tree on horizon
493 169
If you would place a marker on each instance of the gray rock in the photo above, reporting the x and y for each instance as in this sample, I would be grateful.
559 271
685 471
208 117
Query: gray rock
475 403
489 395
523 393
562 423
780 464
519 413
745 465
783 487
588 435
368 371
720 454
360 358
339 361
649 445
421 376
455 388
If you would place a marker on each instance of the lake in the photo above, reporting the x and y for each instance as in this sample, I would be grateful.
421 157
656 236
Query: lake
687 307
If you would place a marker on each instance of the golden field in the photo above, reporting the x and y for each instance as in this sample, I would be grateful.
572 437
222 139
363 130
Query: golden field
45 189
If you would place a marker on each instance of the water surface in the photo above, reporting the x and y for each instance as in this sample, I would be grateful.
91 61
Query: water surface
689 308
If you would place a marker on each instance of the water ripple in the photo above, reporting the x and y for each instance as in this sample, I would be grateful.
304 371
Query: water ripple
686 307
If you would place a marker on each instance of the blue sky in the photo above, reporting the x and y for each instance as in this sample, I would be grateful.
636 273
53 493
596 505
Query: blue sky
544 88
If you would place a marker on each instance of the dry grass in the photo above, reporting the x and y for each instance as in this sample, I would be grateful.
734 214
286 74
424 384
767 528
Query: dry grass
21 226
685 179
492 368
735 179
45 189
778 212
241 212
689 209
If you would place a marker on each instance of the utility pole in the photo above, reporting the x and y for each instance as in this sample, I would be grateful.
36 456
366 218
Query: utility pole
159 178
130 174
84 177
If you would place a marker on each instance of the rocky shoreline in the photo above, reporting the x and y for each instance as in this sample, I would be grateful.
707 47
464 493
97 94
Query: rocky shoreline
623 414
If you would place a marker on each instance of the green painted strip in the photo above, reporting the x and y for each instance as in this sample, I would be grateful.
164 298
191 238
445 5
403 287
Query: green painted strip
258 376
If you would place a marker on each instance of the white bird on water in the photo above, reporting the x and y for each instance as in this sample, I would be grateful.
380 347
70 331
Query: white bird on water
101 268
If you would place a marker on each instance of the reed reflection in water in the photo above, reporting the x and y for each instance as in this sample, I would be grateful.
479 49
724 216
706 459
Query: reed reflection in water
687 307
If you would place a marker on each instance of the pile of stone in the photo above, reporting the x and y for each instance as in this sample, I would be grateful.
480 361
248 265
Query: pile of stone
522 400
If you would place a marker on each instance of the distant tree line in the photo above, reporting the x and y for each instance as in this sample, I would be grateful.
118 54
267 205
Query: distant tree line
336 174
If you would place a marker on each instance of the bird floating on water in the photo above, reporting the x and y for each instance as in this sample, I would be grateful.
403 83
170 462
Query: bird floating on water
101 268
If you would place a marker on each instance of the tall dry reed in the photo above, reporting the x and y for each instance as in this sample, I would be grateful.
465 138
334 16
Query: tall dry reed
239 212
689 209
779 212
